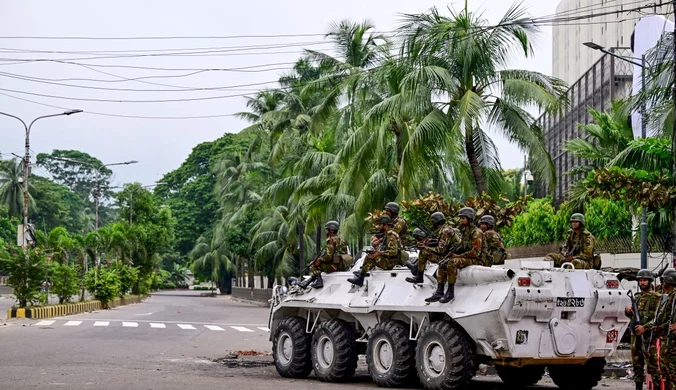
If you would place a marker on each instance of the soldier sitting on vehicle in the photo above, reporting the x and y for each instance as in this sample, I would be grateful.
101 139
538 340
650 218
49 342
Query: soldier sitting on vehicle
579 247
495 249
419 236
330 259
385 257
470 252
434 254
399 225
643 343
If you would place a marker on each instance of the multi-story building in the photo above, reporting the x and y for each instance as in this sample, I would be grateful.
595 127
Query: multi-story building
570 59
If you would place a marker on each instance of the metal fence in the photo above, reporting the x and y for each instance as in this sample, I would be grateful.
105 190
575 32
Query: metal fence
607 80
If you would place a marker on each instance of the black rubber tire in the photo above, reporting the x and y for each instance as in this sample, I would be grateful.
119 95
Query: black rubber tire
299 364
402 371
581 377
520 376
343 363
458 363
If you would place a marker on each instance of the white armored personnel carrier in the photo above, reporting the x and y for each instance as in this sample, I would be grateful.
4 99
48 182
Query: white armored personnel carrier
520 317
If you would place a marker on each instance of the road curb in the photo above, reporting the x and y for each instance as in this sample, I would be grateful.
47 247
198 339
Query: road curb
250 302
70 308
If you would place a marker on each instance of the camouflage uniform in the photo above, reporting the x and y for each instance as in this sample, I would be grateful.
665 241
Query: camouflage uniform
578 246
647 305
334 244
495 249
401 228
447 239
390 256
472 250
668 342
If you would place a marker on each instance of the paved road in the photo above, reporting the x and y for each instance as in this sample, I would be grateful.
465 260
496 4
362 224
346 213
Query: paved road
171 341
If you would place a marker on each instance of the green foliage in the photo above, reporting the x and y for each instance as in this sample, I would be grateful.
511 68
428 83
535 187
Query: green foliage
178 275
26 270
167 285
636 187
607 219
103 283
12 188
56 206
65 281
127 275
539 224
79 175
8 226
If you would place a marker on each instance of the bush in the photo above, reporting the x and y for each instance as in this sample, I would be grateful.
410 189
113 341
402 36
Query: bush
168 285
145 284
128 277
538 225
606 218
26 270
104 284
65 281
196 282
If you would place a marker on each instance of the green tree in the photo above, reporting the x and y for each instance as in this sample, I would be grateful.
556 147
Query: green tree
79 178
178 274
104 284
26 269
65 281
11 188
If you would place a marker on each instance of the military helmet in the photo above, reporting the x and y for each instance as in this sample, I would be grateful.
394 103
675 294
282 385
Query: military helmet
645 274
419 234
384 219
488 220
292 281
577 217
393 207
467 212
332 225
438 217
669 276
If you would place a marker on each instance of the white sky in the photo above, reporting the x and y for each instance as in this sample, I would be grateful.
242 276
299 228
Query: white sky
162 145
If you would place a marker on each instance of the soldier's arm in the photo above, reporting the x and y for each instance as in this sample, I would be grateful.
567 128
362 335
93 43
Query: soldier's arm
587 252
444 241
329 251
392 248
661 324
475 250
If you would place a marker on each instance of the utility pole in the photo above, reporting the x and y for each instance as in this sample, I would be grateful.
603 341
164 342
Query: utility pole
673 142
644 211
27 163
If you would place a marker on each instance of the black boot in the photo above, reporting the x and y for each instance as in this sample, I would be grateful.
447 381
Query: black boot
450 294
318 283
358 280
639 385
413 267
306 282
437 294
416 279
357 272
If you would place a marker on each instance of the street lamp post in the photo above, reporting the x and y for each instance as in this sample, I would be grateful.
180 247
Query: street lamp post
644 212
27 161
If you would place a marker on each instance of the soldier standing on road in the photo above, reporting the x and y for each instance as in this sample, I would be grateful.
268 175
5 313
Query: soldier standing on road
579 247
495 249
665 327
326 262
434 254
399 225
645 352
385 257
471 251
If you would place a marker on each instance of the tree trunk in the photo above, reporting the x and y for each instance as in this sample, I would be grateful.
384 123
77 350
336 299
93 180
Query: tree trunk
474 164
301 246
271 282
225 283
318 241
250 273
394 128
262 279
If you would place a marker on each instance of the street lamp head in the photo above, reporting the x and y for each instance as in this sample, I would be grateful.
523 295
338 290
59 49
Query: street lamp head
593 46
71 112
131 162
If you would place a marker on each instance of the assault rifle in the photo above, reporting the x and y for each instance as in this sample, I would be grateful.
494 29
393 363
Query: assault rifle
671 317
636 320
431 240
660 305
314 262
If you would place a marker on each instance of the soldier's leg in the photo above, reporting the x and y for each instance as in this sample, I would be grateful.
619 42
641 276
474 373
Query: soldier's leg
454 265
581 264
557 258
442 275
422 260
637 361
653 367
668 364
369 263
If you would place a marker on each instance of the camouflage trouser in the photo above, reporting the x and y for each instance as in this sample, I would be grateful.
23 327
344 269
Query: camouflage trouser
668 363
426 256
381 262
638 360
456 264
577 263
327 267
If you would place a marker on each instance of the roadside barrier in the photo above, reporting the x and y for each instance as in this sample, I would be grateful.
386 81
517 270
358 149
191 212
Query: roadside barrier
69 308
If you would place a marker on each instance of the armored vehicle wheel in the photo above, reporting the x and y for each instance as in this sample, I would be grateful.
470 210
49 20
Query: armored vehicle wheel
520 376
583 377
391 355
291 348
334 351
444 357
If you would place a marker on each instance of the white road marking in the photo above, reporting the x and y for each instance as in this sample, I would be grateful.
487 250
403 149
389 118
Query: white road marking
101 323
213 327
129 324
241 329
264 329
145 314
72 323
44 323
155 325
186 326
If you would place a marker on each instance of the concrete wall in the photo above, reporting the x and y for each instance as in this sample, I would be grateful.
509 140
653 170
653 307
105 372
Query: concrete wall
252 294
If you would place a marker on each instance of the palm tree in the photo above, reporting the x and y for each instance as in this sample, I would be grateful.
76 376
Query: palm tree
462 60
12 188
211 257
178 274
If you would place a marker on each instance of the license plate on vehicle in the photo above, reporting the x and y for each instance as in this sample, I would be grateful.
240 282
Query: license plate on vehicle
569 302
